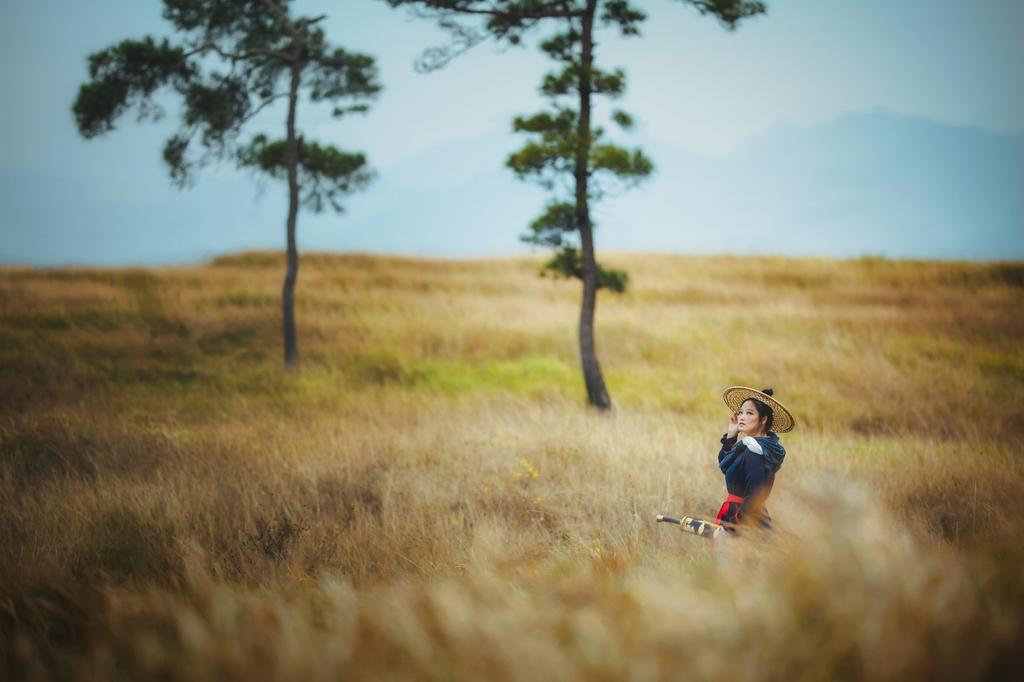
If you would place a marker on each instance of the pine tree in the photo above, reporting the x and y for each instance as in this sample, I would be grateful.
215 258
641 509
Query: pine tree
565 142
232 59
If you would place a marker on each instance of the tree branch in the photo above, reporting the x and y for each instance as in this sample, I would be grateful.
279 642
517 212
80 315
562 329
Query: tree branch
283 16
327 61
248 54
494 11
306 23
262 105
294 28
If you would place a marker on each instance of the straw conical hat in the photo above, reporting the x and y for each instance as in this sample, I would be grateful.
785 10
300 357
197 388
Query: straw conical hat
782 419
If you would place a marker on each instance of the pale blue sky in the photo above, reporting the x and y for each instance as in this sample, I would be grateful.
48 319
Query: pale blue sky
693 87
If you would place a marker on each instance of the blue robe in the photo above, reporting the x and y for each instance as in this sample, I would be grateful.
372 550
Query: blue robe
750 474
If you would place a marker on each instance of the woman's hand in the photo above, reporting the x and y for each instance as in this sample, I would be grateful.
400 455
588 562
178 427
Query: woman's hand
734 426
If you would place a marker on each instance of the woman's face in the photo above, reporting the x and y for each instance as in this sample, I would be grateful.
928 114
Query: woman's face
749 421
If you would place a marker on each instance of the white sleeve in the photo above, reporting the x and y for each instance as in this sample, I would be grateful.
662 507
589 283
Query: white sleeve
752 445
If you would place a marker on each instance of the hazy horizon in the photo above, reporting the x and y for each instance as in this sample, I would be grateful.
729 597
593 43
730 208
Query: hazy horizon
937 177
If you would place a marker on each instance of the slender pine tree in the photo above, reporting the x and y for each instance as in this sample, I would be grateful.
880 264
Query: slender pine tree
565 143
230 60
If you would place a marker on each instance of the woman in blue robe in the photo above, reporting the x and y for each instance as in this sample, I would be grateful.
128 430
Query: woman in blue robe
751 454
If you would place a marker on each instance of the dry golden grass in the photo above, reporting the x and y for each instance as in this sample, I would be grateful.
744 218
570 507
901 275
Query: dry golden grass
429 497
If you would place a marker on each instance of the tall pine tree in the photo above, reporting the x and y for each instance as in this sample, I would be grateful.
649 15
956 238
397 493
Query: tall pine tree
229 61
565 143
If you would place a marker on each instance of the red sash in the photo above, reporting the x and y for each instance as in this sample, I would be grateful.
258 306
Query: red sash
725 506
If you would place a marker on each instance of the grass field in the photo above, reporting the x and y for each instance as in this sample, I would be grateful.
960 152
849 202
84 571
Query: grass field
429 497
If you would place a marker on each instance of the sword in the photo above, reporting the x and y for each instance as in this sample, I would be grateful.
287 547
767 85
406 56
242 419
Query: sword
704 529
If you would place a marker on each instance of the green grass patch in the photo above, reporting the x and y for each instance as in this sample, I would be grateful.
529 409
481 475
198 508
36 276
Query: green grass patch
1008 366
529 375
639 385
246 299
380 366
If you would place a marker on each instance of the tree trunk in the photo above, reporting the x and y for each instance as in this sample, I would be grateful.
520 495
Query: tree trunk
291 343
597 393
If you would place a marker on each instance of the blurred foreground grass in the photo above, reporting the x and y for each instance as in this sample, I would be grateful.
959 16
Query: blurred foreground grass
429 498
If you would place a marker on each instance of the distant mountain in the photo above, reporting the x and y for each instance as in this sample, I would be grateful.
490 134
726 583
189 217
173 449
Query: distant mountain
868 183
455 199
53 220
865 183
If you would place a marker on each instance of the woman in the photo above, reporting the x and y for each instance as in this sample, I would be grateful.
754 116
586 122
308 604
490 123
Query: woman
751 454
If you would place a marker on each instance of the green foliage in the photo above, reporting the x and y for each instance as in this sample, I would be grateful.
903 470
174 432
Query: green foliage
630 166
340 75
553 156
621 13
126 75
232 59
561 46
554 226
215 107
567 82
567 263
505 20
221 19
557 228
729 12
624 120
325 173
